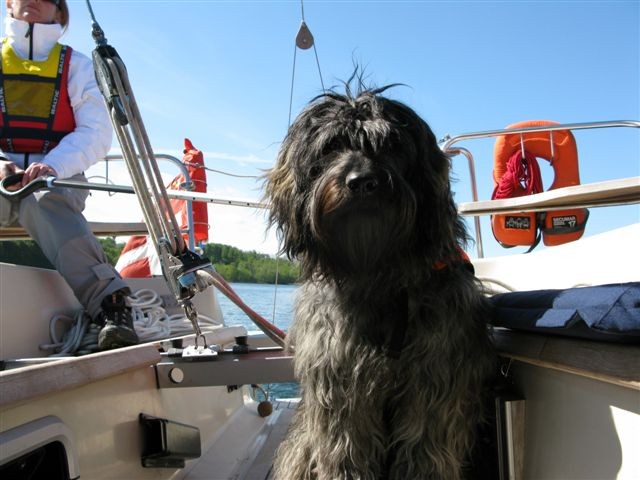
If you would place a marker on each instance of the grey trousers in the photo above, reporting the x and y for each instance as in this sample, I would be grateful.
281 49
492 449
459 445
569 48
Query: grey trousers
53 218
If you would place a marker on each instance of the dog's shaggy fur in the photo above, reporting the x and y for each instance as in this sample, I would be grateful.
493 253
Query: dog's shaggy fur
391 348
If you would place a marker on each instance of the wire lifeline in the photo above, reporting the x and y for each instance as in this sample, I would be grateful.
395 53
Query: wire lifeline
209 169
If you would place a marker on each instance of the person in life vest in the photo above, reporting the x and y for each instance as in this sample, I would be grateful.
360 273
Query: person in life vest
54 123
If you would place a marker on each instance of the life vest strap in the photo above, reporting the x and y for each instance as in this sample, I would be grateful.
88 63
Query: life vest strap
23 77
56 95
31 133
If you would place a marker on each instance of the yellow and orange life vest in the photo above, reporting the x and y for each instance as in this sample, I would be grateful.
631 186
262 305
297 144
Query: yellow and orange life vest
35 109
560 150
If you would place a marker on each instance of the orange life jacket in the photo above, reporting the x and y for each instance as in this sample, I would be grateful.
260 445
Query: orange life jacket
36 112
557 226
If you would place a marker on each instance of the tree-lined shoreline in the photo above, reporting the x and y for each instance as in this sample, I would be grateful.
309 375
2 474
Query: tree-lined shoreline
233 264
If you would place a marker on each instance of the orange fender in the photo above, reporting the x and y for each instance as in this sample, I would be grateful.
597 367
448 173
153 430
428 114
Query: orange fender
194 160
557 226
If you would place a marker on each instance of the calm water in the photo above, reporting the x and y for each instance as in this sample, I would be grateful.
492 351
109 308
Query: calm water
261 299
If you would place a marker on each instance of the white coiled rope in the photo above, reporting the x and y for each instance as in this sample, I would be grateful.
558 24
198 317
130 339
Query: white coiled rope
150 320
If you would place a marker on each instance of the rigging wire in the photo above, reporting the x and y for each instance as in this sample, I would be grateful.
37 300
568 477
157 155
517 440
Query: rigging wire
293 76
313 44
304 41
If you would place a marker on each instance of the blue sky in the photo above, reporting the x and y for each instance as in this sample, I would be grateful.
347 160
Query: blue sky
219 72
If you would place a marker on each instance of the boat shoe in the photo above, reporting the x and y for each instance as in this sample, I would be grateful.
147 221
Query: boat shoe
117 323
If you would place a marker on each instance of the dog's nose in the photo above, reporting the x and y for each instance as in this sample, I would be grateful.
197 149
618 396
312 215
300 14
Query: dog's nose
361 183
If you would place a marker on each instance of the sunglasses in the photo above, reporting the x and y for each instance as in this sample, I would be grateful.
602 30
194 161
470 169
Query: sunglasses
55 2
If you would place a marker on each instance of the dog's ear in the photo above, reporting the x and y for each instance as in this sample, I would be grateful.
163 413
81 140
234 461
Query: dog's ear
286 212
441 229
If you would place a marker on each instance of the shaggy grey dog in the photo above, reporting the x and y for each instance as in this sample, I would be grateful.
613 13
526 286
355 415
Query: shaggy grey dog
391 347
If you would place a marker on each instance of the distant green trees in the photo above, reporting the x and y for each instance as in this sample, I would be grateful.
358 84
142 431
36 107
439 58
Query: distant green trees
111 249
232 263
23 252
236 265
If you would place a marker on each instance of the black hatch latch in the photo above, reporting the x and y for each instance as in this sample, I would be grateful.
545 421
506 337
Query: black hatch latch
167 444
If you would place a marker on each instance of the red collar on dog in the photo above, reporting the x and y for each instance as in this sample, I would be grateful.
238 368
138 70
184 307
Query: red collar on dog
462 257
398 334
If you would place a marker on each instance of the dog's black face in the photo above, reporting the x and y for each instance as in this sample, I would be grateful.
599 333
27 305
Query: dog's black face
360 183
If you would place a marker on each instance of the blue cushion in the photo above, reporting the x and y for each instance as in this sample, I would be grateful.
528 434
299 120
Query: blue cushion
603 312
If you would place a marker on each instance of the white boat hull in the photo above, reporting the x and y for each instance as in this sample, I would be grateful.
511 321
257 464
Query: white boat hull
92 403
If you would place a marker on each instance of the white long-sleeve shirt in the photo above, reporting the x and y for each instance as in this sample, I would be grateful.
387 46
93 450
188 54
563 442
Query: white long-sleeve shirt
91 139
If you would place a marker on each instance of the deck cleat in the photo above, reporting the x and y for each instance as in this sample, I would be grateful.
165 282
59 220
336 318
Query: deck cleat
195 351
200 352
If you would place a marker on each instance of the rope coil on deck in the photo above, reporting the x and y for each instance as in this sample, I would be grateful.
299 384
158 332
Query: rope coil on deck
150 319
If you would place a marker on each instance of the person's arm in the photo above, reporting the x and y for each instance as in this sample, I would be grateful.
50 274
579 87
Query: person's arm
91 140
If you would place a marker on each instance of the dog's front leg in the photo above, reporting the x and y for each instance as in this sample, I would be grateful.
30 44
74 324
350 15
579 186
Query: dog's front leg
332 445
294 456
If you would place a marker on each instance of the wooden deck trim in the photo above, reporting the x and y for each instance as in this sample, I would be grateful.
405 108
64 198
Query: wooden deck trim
607 362
611 192
100 229
261 466
21 384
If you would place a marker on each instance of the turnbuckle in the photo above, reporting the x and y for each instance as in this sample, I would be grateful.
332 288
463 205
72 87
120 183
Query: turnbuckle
196 351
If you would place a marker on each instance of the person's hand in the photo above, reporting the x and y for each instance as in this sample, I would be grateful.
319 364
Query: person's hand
7 167
36 170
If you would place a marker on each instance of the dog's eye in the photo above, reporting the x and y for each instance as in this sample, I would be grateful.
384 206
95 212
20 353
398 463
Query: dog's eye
314 171
333 146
